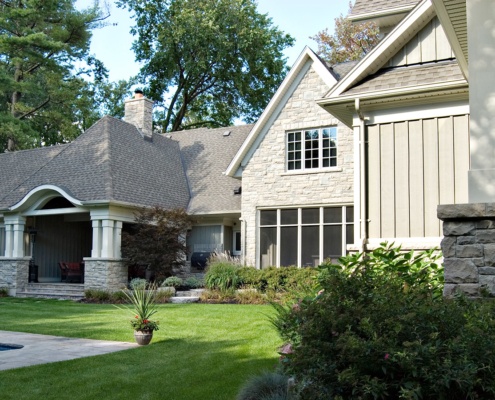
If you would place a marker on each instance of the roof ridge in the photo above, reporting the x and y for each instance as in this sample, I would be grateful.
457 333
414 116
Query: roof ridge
109 185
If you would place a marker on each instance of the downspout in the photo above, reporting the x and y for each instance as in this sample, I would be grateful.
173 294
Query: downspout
362 173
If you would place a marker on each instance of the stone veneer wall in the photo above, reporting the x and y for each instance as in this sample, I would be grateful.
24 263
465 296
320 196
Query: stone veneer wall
14 274
265 182
468 248
104 274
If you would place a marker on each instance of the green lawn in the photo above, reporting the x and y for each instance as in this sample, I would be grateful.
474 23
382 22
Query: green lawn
201 351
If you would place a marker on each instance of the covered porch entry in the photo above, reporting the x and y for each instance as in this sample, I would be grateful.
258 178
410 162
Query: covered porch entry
49 230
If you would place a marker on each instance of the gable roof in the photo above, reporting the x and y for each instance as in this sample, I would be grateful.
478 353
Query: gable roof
110 162
206 153
371 82
306 59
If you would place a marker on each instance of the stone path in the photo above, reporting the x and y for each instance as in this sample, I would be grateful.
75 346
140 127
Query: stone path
42 349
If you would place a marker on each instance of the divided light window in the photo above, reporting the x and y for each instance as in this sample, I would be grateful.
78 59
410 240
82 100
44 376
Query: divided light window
312 149
304 236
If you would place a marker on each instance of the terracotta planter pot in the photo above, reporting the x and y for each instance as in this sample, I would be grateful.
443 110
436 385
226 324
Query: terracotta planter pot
143 338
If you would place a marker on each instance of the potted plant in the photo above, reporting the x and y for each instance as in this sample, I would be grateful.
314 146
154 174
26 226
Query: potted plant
144 306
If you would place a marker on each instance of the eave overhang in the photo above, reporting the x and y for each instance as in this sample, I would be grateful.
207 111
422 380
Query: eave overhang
453 17
343 107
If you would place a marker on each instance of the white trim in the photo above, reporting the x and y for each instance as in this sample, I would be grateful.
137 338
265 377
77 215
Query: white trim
55 211
407 91
311 171
278 100
415 113
42 188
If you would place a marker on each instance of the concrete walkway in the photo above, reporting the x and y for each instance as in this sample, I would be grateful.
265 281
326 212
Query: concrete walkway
42 349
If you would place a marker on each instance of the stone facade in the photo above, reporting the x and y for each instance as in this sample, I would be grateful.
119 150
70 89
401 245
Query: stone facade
468 248
14 274
265 181
104 274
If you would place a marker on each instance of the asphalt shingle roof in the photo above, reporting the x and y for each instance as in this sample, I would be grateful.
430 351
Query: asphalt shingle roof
206 154
363 7
409 76
111 161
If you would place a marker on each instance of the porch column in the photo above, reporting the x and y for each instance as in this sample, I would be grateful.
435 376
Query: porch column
14 236
117 239
9 240
107 250
96 250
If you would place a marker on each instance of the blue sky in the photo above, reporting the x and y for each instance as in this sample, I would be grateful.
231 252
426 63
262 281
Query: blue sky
301 19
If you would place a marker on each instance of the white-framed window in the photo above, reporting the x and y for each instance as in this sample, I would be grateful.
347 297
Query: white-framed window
304 236
312 149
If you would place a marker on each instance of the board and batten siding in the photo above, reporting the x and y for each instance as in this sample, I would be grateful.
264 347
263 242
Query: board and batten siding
430 44
413 166
205 238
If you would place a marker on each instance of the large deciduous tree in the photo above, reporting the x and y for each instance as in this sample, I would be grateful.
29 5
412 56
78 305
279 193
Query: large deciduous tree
207 63
41 93
349 42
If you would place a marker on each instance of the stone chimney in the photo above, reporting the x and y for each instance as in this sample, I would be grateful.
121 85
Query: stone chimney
139 112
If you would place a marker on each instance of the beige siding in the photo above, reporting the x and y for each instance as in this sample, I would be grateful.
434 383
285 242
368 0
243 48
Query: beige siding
374 184
430 44
412 167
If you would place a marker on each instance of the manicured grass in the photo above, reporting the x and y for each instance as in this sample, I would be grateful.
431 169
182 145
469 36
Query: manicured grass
201 351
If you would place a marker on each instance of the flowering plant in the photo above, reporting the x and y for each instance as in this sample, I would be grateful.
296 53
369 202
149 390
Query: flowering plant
144 306
140 324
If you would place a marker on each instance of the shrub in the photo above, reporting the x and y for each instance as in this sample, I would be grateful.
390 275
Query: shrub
4 292
222 276
268 386
118 297
379 332
193 282
138 284
173 281
164 295
97 295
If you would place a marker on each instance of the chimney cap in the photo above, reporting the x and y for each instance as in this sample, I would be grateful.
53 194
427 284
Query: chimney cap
138 94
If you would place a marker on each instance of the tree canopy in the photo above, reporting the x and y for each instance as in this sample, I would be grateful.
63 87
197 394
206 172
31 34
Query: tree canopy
207 63
349 42
43 98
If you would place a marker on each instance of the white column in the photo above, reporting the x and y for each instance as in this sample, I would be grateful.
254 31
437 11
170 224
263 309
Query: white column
107 238
480 17
9 240
96 250
18 248
117 239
